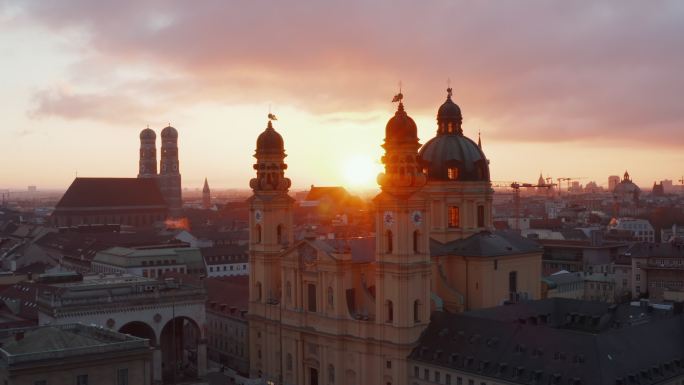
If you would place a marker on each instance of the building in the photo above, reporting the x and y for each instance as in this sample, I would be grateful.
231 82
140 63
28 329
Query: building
613 181
168 178
73 354
657 269
349 311
641 229
582 285
206 195
149 262
675 233
578 255
227 329
170 314
552 341
226 260
626 196
125 201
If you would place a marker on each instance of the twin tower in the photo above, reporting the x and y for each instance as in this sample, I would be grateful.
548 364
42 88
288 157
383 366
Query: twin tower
168 177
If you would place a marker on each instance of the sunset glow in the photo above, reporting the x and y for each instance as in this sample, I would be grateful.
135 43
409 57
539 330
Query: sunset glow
360 171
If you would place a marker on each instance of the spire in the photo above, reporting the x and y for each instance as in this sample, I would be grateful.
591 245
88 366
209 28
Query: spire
206 185
479 141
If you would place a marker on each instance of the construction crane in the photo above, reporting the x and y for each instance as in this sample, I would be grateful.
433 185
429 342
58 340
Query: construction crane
516 195
566 179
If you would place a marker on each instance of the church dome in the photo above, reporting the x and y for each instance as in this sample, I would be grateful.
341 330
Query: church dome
401 128
626 186
169 132
147 134
450 155
270 140
453 157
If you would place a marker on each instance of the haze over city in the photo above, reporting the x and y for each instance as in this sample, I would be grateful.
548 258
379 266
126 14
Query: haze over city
579 89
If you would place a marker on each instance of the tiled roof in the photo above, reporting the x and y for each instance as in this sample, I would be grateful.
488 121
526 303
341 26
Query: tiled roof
557 341
486 244
108 192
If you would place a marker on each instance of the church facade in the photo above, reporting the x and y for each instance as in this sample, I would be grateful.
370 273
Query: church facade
350 311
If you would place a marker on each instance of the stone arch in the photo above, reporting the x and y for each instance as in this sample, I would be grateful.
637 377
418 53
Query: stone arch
140 329
180 341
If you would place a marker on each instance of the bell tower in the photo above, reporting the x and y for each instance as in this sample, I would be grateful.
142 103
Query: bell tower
402 236
270 231
147 166
169 175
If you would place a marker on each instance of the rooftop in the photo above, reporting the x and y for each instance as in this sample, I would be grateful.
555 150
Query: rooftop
50 342
108 192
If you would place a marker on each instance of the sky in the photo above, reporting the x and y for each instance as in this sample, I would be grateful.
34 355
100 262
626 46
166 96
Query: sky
578 89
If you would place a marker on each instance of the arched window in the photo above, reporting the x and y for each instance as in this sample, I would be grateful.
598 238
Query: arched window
390 312
279 234
331 374
331 299
452 173
288 361
416 239
416 311
258 291
257 234
389 242
288 290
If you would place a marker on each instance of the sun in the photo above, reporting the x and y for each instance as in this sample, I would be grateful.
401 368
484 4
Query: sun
360 171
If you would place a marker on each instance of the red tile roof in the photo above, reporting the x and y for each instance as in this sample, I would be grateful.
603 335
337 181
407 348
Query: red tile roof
107 192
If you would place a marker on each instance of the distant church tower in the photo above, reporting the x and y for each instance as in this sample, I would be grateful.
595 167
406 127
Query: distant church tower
206 195
402 262
147 166
270 224
169 176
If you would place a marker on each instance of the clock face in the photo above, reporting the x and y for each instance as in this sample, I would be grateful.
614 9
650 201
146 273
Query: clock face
258 215
388 218
417 218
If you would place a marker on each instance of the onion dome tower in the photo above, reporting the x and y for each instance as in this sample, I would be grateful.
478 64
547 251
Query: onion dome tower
169 175
270 231
457 178
402 261
147 166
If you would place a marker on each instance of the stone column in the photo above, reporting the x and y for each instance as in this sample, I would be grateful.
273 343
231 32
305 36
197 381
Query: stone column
157 365
202 358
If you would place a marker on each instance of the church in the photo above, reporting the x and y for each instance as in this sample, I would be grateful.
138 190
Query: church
350 311
140 202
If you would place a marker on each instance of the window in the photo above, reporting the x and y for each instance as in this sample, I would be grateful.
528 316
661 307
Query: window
389 242
459 381
257 237
311 289
258 290
331 299
452 173
82 379
288 361
331 374
638 277
288 290
122 376
513 281
388 364
390 311
437 376
454 220
480 216
426 374
416 311
447 379
279 234
40 382
416 238
416 371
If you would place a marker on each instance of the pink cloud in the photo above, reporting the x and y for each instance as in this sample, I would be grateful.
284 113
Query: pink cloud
536 70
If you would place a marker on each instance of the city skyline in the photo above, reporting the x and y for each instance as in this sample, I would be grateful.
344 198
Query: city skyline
564 104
